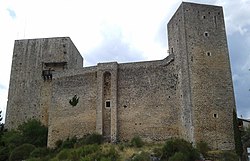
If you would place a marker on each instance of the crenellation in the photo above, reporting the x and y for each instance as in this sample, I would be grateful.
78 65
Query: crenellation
188 95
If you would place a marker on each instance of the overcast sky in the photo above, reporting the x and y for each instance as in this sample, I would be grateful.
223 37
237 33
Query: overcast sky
118 30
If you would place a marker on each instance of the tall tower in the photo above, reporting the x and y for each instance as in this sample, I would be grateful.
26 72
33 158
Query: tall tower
197 38
34 63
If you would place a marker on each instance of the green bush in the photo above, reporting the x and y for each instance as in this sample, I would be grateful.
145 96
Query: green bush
89 149
33 159
222 155
4 153
106 159
143 156
22 152
110 153
86 159
58 144
33 132
203 148
237 135
136 142
173 146
39 152
93 139
157 152
178 157
75 155
12 139
230 156
69 143
63 154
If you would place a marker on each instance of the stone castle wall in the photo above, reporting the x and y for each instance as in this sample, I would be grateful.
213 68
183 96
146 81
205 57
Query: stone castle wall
147 103
189 94
206 72
28 93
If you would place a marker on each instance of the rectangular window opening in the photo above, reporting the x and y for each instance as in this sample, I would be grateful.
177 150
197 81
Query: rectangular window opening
172 50
107 104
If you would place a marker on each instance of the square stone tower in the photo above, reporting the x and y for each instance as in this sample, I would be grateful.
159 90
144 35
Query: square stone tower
33 64
197 38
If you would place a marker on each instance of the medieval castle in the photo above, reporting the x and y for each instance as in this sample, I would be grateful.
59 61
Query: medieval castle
189 94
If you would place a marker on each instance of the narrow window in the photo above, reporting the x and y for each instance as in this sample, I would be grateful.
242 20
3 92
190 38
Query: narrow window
215 21
107 104
215 115
206 34
208 54
172 50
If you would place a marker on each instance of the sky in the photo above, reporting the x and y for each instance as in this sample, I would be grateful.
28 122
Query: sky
118 30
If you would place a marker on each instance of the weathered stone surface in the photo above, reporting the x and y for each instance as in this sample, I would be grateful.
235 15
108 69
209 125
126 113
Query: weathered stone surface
189 94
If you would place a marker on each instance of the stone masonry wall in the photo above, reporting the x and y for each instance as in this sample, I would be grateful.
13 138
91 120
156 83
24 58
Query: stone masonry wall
210 75
27 91
147 103
177 47
66 120
197 38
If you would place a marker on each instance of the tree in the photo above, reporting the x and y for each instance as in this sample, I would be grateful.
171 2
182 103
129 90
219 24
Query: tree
1 125
237 136
33 132
179 149
245 141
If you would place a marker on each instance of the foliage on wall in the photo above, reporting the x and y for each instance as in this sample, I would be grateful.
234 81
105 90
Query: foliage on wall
74 101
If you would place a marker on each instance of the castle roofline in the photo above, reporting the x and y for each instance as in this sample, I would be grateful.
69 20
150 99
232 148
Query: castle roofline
63 37
200 4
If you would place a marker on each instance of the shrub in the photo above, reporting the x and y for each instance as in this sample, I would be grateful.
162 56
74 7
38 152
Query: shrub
237 136
157 152
89 149
105 159
203 148
12 139
33 132
179 145
178 157
86 159
63 154
33 159
223 155
111 153
75 155
4 153
58 144
136 142
143 156
22 152
69 143
93 139
230 156
39 152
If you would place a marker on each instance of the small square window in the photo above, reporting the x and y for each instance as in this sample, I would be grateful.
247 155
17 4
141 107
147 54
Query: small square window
215 115
107 104
206 34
